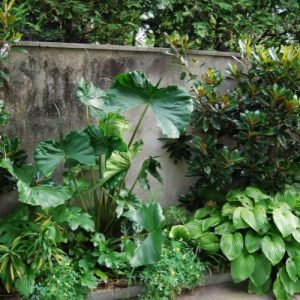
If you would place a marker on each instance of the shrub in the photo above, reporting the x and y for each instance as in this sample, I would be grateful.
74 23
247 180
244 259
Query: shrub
259 234
177 270
249 134
60 284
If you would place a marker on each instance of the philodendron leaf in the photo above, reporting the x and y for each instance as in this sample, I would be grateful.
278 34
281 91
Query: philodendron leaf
252 241
210 222
91 96
149 166
172 106
120 162
195 228
262 270
75 148
44 196
242 267
179 232
232 245
151 218
290 286
285 221
273 248
237 219
291 269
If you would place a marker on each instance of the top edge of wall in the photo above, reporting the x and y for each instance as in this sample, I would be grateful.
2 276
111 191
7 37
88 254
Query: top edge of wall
119 48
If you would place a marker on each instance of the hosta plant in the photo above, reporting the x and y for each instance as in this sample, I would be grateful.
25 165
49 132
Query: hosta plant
246 133
259 235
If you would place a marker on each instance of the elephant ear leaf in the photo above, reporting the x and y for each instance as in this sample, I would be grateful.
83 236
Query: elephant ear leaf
149 166
172 106
150 217
75 148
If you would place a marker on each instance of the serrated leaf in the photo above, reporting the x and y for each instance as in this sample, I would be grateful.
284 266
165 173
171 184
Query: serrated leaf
242 267
232 245
273 248
252 241
285 221
262 270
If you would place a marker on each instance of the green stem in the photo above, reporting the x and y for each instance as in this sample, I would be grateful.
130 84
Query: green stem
134 184
77 190
138 126
88 121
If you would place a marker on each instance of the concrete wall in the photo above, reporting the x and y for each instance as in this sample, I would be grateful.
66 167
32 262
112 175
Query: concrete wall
47 73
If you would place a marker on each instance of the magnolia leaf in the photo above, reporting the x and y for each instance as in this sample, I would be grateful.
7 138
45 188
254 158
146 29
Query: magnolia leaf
232 245
179 232
209 242
273 248
44 196
242 267
172 106
285 221
262 270
75 148
149 166
252 241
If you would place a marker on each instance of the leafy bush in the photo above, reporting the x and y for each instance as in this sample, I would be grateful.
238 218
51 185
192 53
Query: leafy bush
259 235
31 240
249 134
61 283
177 270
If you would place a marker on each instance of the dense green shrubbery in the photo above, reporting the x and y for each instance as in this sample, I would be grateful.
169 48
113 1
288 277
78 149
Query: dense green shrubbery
259 235
249 134
177 270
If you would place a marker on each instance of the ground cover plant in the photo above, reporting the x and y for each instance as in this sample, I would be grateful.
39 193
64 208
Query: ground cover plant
113 231
259 235
245 135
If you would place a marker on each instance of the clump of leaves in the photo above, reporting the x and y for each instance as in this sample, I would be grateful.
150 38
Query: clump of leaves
60 283
259 235
175 215
177 270
249 134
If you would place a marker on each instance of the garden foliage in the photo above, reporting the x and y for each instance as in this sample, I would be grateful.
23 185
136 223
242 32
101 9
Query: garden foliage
258 234
248 134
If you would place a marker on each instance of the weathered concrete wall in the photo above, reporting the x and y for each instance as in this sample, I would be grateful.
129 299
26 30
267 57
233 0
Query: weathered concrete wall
47 73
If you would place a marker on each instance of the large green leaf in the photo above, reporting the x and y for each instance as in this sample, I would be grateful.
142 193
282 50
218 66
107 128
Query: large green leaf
179 232
210 222
195 228
149 166
279 291
273 248
242 267
232 245
172 106
285 221
252 241
262 271
255 218
44 196
25 284
289 285
120 162
209 242
237 219
291 269
150 217
114 124
75 148
261 289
